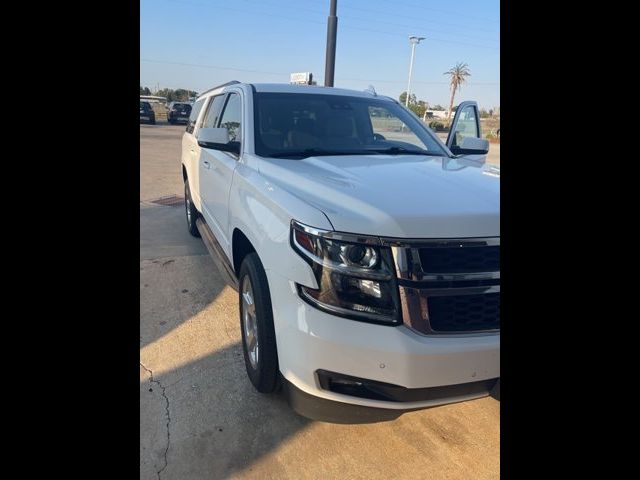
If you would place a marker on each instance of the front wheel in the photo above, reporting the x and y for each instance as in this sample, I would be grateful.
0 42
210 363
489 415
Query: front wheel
256 325
190 210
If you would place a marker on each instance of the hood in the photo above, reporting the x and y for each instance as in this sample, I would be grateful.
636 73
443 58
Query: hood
404 196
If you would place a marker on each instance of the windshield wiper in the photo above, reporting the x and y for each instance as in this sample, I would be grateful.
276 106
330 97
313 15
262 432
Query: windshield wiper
311 152
405 151
317 152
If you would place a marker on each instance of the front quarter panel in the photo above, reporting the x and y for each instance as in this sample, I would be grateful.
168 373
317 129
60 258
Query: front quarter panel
263 212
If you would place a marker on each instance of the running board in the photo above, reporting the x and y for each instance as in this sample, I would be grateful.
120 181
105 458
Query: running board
219 257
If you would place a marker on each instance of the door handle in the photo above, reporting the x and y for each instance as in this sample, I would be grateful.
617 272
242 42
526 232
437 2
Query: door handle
206 164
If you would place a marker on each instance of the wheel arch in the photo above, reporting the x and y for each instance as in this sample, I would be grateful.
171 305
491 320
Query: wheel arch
241 246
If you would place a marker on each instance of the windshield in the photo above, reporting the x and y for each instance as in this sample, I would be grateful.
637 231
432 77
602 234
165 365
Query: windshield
180 107
145 106
298 125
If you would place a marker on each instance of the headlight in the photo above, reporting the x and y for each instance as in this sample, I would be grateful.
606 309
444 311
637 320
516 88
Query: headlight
355 278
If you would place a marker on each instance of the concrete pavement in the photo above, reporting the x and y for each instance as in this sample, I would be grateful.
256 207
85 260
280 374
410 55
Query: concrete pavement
200 418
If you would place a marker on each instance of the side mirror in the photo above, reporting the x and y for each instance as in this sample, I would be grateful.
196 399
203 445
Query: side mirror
217 139
471 146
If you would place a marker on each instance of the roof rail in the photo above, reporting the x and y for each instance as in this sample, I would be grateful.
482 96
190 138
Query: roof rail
232 82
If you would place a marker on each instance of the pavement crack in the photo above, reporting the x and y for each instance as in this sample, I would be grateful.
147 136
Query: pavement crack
166 399
224 326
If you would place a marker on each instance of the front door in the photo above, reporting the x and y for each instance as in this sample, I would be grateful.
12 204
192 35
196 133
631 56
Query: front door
217 167
466 130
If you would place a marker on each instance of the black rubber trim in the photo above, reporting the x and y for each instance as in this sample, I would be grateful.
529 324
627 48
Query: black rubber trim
374 390
216 252
323 410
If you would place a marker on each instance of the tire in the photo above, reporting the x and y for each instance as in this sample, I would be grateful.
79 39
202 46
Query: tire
261 362
152 122
191 212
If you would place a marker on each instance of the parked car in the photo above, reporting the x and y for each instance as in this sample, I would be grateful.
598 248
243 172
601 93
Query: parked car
147 115
178 112
366 257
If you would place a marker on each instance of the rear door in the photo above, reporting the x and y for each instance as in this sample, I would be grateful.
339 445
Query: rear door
217 167
191 151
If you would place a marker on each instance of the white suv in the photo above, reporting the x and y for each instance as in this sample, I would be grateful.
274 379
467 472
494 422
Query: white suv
366 252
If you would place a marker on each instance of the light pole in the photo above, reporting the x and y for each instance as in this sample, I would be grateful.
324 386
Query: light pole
414 41
332 31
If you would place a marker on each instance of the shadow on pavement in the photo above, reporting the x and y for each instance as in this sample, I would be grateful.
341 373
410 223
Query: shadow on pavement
177 278
218 423
200 417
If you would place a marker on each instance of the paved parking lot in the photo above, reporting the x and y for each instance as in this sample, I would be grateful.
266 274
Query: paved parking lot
200 418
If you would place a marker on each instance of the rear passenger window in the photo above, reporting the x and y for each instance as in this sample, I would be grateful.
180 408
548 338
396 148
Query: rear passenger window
213 112
195 111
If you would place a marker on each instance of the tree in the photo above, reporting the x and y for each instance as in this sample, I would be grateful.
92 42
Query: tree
419 108
145 91
183 95
179 95
165 92
403 98
457 76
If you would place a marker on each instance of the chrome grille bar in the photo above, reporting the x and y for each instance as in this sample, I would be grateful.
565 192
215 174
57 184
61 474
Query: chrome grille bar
414 295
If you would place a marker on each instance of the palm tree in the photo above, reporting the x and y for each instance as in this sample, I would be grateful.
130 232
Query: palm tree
457 76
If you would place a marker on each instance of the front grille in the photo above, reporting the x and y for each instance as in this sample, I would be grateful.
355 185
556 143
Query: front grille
450 285
461 313
460 259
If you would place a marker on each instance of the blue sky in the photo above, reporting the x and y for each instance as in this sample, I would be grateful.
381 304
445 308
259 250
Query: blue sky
198 44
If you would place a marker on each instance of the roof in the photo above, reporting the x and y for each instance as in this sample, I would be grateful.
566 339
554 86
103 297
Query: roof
314 89
289 88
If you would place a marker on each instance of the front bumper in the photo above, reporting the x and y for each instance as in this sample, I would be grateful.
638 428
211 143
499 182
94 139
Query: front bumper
318 408
309 340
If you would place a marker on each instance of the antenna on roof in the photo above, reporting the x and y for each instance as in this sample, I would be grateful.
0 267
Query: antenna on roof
371 90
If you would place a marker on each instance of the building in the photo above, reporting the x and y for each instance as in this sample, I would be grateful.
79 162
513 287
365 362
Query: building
153 99
441 114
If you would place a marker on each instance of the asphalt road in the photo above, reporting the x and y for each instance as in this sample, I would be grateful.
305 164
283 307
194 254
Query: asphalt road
200 418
